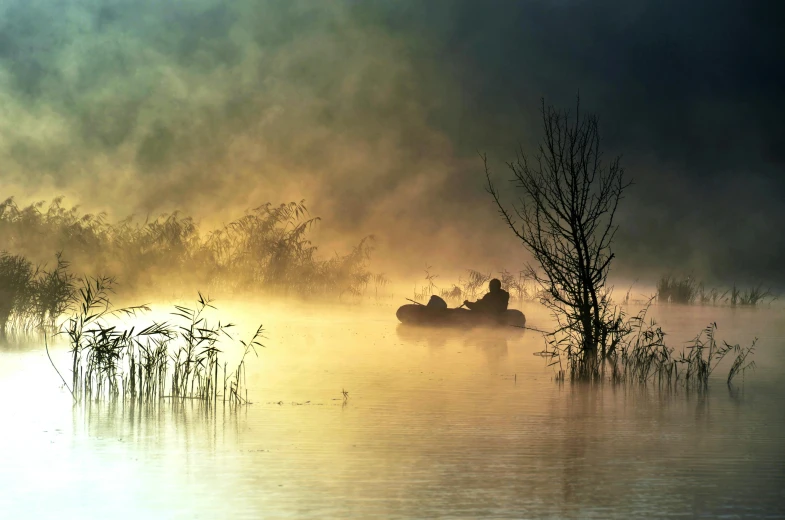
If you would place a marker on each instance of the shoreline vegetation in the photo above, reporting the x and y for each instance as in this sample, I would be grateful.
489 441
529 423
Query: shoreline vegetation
565 197
267 251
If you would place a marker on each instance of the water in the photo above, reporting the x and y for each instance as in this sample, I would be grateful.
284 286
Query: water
435 424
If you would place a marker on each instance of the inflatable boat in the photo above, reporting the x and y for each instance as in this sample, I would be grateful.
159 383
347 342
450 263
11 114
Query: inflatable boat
430 316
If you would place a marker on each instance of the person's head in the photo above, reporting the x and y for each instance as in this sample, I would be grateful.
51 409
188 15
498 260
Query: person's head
495 285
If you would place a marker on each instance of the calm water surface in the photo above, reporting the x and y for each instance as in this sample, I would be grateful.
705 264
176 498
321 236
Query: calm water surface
437 424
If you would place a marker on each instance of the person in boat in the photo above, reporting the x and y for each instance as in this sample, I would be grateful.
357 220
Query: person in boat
495 302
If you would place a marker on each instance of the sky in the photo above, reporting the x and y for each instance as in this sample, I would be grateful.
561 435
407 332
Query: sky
374 112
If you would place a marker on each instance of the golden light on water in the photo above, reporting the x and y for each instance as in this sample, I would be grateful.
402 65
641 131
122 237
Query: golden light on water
434 420
313 165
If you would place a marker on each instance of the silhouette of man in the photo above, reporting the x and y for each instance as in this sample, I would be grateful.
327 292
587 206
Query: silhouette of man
494 302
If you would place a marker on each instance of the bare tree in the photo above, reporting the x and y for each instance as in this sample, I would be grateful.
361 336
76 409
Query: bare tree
565 216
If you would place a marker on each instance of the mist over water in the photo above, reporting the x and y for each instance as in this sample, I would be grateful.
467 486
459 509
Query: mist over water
436 423
191 117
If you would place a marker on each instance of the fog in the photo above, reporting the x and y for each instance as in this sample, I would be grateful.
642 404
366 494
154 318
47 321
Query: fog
373 113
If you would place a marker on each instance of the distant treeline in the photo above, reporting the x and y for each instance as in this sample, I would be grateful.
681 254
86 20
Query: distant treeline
267 250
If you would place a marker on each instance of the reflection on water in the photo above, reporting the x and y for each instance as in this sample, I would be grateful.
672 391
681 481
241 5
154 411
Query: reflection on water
491 342
438 423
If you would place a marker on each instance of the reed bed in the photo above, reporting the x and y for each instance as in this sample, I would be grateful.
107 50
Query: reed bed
178 359
677 290
638 354
474 285
33 297
267 250
688 290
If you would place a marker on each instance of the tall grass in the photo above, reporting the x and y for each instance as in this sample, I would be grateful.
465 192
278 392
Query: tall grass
687 290
380 281
32 296
520 286
180 359
677 290
752 296
429 288
54 292
16 282
711 296
638 354
474 285
266 250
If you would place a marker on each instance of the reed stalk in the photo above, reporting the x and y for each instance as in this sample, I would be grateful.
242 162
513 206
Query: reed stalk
177 359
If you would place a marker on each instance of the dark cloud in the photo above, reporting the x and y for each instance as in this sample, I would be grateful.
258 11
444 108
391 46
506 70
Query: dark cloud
374 111
689 93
